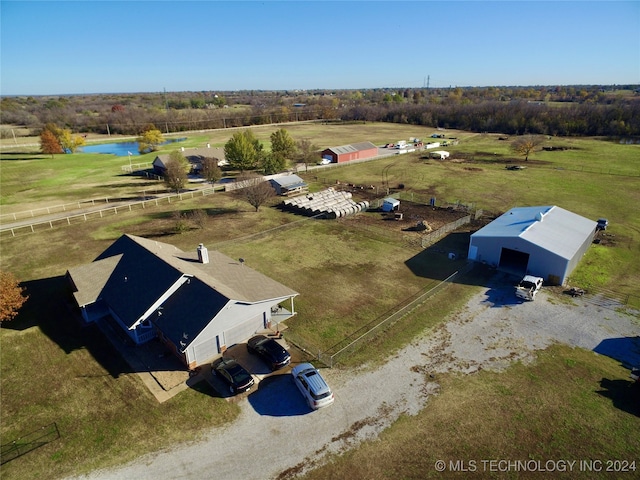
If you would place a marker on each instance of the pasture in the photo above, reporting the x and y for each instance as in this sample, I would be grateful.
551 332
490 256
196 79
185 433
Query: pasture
54 371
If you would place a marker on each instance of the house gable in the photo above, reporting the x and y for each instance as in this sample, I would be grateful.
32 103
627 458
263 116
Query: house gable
145 284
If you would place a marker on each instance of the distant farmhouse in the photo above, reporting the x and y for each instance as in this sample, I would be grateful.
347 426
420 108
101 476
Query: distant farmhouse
194 156
347 153
546 241
197 303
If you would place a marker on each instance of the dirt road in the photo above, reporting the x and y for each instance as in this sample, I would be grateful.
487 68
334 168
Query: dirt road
277 436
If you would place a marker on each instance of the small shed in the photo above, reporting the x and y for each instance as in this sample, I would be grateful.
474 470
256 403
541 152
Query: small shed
289 185
390 204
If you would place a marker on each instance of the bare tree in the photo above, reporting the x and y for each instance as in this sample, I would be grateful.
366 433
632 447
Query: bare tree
254 189
307 152
525 145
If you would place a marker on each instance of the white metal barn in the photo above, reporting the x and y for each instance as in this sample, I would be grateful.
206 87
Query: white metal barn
546 241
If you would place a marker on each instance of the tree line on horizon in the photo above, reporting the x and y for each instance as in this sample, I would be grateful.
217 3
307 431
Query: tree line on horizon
560 111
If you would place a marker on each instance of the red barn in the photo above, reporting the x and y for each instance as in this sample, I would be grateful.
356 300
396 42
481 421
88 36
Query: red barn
347 153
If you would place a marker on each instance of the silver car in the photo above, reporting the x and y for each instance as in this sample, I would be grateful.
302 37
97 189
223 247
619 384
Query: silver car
312 386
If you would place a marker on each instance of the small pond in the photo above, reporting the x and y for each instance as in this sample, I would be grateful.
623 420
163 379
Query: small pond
120 149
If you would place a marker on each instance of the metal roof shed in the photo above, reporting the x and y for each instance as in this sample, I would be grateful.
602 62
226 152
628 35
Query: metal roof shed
546 241
289 184
389 204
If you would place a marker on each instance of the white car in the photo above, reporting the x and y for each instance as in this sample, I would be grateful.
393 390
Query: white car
312 386
528 287
324 161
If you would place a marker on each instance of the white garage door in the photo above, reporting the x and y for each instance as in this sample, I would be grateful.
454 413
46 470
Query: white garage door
242 332
205 351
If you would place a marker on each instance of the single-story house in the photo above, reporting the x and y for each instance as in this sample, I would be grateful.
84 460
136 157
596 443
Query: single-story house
347 153
194 156
546 241
289 185
198 303
390 204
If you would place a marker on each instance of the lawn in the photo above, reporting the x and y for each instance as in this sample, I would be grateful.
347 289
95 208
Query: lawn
346 277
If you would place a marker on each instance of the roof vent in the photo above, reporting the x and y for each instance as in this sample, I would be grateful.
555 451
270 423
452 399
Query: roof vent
203 254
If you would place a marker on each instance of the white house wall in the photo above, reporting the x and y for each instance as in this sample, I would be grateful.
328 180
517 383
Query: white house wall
231 316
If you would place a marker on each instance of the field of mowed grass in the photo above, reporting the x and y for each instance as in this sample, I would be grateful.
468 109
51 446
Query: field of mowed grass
79 365
569 405
346 277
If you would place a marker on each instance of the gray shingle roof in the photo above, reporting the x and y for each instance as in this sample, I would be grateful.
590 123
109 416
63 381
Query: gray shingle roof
135 272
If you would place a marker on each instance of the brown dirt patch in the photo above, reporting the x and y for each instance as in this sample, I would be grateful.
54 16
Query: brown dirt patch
412 215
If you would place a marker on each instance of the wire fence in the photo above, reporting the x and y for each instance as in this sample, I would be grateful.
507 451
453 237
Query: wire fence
29 442
355 340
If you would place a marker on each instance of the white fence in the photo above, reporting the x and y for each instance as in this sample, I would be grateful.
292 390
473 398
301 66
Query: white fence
101 213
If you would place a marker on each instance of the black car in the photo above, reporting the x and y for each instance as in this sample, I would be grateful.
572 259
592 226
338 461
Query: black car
234 374
270 351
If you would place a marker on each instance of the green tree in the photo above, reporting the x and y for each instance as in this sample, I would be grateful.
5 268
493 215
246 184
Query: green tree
273 163
149 140
283 146
243 151
525 145
176 170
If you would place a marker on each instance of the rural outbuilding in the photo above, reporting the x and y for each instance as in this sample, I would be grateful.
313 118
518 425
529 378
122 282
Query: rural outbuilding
198 303
546 241
194 156
347 153
390 204
289 185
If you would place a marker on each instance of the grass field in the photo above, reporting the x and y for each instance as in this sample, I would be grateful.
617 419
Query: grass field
53 372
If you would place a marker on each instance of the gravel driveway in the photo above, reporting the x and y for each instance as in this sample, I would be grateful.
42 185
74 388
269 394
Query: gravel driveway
285 438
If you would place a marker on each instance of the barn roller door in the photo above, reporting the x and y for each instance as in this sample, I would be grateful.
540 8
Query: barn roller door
513 261
244 331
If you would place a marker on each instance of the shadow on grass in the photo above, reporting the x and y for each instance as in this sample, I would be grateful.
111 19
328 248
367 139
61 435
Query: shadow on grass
448 255
24 156
203 387
51 308
625 395
625 350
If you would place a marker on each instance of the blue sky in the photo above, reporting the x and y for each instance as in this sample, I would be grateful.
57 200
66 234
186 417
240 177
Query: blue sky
82 47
